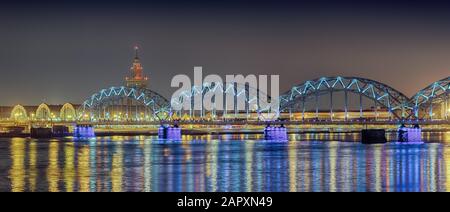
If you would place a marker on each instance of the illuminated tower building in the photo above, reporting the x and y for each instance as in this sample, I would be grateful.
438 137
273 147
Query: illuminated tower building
137 78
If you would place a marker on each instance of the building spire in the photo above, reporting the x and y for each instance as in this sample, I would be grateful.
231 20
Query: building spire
136 50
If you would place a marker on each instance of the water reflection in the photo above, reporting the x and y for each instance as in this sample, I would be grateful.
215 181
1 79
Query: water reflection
222 164
69 167
33 173
53 167
17 173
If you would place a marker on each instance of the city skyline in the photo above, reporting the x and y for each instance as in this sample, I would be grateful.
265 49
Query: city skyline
57 53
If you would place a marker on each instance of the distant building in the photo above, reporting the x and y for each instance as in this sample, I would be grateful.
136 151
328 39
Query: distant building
137 78
42 112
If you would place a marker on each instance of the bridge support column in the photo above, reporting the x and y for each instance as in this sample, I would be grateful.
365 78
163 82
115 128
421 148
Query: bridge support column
446 109
360 106
375 106
346 106
431 110
113 113
317 104
331 105
303 108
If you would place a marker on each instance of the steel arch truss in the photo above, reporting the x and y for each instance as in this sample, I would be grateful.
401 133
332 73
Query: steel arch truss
396 103
150 99
233 89
435 94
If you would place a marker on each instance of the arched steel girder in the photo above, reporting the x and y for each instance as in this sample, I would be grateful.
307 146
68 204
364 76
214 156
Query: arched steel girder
396 102
156 102
234 89
435 93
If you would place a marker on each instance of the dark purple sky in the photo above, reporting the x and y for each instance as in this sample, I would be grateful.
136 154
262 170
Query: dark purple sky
63 52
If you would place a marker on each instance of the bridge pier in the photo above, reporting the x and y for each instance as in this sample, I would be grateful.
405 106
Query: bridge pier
409 134
84 131
169 132
373 136
41 132
275 132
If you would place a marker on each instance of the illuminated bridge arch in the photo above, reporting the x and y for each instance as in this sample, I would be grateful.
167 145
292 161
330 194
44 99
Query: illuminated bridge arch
395 104
19 113
124 104
67 113
43 113
432 102
239 93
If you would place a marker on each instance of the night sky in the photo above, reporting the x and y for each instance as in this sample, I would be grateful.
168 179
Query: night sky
57 52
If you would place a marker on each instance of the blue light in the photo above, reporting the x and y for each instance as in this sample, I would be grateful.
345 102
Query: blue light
275 133
84 131
408 134
169 132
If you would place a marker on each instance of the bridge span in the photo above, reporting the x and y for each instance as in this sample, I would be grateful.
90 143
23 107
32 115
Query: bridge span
338 100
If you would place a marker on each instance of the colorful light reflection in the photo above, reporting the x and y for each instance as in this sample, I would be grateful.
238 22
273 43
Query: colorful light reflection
223 164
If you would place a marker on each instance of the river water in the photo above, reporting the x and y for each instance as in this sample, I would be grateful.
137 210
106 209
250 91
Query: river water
225 163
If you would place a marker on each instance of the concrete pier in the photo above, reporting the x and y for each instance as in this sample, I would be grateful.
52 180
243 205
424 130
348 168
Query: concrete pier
169 132
84 131
41 132
373 136
275 132
60 131
409 134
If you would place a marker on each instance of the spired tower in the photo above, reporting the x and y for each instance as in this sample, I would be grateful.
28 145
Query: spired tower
136 79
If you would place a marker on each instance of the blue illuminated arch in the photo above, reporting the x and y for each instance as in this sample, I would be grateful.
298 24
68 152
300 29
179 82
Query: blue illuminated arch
234 89
156 102
396 102
434 93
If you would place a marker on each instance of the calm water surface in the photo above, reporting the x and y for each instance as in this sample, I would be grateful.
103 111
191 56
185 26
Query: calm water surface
226 163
